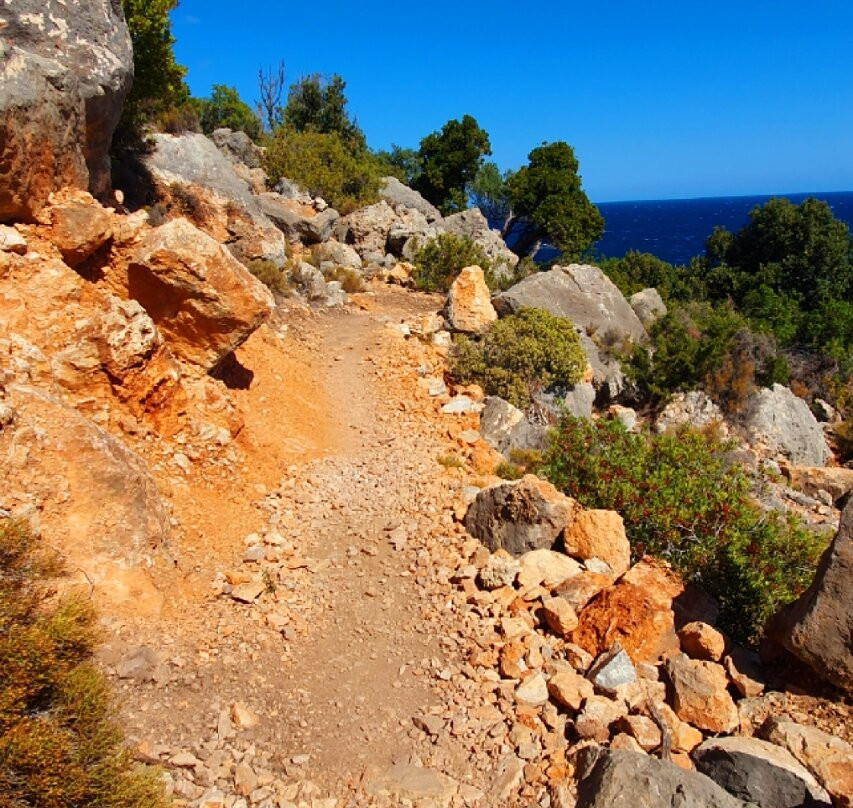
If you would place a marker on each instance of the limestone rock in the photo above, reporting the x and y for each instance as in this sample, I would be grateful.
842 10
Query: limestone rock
818 627
519 516
546 568
499 570
63 88
700 694
299 222
12 241
619 779
201 298
759 772
692 408
100 503
396 193
472 224
828 758
580 293
79 226
221 202
469 307
784 423
570 689
836 481
560 615
701 641
744 671
341 255
648 306
599 534
533 690
237 146
415 783
612 670
505 427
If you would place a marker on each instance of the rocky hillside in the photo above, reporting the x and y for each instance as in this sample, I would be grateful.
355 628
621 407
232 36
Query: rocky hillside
313 588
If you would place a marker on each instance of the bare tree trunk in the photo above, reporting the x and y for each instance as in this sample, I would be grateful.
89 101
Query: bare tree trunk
271 86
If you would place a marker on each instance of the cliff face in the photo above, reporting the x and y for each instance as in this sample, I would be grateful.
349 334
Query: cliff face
65 69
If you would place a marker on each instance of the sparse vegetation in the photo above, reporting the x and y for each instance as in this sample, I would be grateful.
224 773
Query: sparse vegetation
274 277
520 354
440 260
451 461
350 280
58 744
684 501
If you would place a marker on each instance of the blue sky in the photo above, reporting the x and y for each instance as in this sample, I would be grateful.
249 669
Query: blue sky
660 99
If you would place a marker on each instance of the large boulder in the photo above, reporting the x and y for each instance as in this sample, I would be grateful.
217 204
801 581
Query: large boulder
784 423
648 306
818 628
827 757
580 293
528 514
396 193
700 694
202 182
473 225
505 427
836 481
759 772
63 85
297 221
82 341
201 298
622 779
469 302
692 408
94 497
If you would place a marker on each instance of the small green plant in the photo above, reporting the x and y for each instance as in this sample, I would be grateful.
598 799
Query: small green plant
274 277
451 461
350 280
59 746
509 471
520 354
682 500
440 260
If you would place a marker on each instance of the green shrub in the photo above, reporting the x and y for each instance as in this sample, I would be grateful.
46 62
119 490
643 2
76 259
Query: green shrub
346 176
440 260
58 744
520 354
684 501
350 280
274 277
225 109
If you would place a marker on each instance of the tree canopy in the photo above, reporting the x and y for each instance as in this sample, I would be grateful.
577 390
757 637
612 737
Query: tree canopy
450 159
548 202
158 82
225 108
315 104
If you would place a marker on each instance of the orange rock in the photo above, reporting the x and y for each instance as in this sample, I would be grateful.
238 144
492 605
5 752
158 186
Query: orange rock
469 304
599 534
636 612
700 694
701 641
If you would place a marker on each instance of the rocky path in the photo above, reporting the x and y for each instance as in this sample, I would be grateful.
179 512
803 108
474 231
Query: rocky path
328 664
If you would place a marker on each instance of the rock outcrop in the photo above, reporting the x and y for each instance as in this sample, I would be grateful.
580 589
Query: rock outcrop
692 408
580 293
469 307
648 306
818 628
95 497
783 422
63 79
396 193
505 427
200 297
202 184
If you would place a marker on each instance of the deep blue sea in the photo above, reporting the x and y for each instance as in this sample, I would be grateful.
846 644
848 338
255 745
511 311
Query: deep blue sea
675 229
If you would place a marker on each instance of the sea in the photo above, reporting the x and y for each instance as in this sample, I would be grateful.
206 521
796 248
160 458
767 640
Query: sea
675 229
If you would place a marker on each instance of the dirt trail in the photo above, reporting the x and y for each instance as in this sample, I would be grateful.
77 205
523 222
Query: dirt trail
359 633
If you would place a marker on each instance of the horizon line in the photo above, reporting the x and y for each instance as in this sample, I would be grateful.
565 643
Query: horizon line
719 196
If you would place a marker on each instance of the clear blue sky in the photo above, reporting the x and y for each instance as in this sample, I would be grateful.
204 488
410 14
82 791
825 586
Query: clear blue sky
660 99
